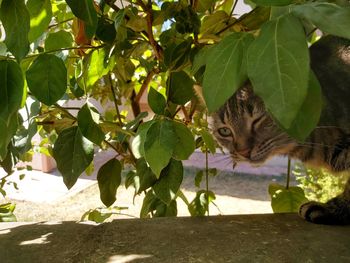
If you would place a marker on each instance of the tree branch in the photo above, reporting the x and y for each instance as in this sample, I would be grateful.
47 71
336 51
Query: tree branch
158 51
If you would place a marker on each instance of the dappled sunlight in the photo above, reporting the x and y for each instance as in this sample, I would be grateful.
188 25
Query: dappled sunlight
126 258
39 18
5 231
40 240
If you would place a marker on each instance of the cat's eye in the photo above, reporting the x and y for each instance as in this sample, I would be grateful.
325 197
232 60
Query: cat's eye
225 132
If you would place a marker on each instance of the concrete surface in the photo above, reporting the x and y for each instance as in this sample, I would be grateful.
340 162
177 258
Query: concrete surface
254 238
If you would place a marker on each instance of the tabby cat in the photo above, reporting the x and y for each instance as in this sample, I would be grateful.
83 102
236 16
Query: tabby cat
245 128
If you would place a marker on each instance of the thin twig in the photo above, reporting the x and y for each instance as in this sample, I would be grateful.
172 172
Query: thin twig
158 51
145 85
111 4
288 173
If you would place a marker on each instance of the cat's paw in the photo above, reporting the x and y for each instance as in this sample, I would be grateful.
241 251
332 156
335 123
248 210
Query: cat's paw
334 212
317 213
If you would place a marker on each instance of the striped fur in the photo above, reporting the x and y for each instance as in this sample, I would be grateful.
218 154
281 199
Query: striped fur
245 128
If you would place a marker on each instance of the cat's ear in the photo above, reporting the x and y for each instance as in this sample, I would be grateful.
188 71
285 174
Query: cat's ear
245 92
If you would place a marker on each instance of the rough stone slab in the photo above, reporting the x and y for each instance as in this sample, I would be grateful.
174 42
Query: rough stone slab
243 238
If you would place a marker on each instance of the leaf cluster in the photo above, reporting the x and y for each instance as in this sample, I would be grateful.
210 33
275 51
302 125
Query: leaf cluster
79 73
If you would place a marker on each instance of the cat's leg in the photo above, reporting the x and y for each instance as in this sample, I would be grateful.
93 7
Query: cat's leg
335 212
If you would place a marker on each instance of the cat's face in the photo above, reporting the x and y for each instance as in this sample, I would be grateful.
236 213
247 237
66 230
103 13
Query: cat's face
244 127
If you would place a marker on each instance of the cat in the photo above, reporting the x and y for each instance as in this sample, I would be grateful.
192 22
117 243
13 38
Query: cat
245 128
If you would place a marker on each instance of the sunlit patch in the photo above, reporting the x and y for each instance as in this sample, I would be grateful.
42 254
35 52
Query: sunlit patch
41 240
5 231
126 258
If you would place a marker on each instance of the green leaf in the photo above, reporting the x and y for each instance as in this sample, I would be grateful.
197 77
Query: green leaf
215 22
7 130
200 59
278 67
7 163
138 142
58 40
328 17
11 88
40 12
310 112
166 209
208 140
200 204
88 122
169 182
177 56
286 200
105 30
148 205
47 78
73 154
109 179
97 66
272 2
15 19
144 177
85 10
185 145
227 69
3 139
6 212
204 5
180 88
156 101
159 145
97 216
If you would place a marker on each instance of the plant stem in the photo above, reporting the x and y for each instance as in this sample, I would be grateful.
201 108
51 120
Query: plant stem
207 178
158 51
288 173
233 8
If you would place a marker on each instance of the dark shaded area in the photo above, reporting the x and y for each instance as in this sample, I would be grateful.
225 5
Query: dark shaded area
244 238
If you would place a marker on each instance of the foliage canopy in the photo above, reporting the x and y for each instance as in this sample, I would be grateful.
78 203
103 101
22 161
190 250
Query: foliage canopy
112 53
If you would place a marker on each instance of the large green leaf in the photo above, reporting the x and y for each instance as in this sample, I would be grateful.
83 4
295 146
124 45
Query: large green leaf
109 179
156 101
47 78
40 17
58 40
3 139
180 88
169 182
138 142
159 145
73 154
185 145
227 69
144 177
97 66
286 200
273 2
11 88
328 17
88 122
85 10
278 67
310 112
15 19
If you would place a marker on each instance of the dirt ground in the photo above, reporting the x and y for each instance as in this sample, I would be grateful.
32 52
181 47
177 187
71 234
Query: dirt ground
235 194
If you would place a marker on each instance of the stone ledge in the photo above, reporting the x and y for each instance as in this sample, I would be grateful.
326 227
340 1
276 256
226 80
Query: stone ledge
241 238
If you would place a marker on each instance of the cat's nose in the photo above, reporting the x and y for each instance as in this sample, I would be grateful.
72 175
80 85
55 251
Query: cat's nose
244 152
